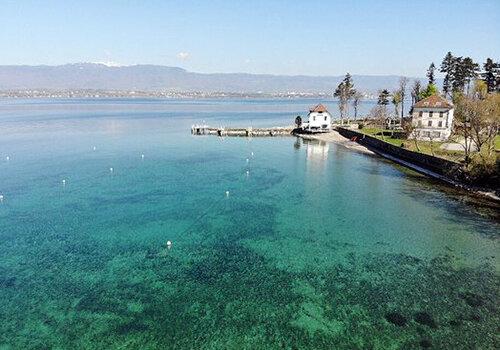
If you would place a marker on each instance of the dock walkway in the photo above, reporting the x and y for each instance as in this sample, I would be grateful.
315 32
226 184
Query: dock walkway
245 132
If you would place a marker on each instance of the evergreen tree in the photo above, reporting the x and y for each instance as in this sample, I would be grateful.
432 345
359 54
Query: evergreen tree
430 73
471 70
458 75
491 74
447 67
383 98
464 70
430 90
345 92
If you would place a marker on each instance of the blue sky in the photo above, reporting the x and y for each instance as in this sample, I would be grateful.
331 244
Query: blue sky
277 37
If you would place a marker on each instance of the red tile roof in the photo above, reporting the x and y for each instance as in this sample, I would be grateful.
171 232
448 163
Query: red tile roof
318 108
434 101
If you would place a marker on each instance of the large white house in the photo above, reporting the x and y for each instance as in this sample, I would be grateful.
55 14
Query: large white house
432 119
319 120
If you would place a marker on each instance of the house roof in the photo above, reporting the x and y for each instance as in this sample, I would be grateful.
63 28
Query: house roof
318 108
434 101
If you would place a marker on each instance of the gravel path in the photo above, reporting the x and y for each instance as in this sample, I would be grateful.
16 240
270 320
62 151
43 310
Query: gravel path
335 137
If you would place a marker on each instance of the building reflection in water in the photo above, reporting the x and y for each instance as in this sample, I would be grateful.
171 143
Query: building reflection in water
316 180
316 150
316 154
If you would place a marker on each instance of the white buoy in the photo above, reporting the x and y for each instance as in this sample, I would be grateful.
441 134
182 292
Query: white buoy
252 154
248 172
169 244
227 193
111 170
1 197
142 156
94 148
248 160
7 158
64 182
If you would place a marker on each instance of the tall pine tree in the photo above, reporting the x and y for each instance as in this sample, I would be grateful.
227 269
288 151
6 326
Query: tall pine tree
471 70
491 74
447 67
345 92
430 73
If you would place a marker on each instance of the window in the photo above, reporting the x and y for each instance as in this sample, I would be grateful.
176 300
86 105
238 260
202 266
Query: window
325 118
440 124
429 123
314 118
441 114
436 134
430 114
420 114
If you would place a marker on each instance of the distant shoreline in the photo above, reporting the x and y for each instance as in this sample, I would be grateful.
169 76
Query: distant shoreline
82 93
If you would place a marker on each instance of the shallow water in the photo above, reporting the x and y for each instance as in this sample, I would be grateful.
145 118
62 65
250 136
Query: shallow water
316 247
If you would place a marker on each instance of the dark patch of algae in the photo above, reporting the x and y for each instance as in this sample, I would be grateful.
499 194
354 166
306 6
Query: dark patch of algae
222 295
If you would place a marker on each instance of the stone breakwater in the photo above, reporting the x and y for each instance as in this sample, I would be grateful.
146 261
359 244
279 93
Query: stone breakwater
245 132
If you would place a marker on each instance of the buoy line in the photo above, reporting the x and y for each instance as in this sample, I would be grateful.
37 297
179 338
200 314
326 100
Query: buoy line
209 209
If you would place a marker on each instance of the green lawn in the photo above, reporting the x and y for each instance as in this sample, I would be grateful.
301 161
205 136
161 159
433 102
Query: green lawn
425 147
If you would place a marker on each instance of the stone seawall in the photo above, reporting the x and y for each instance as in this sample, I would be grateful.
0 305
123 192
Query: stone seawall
448 169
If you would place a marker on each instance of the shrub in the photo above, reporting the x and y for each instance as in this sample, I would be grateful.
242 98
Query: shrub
483 168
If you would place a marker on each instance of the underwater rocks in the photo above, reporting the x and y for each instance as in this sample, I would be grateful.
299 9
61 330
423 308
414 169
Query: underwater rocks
7 281
425 344
396 318
425 319
472 299
422 318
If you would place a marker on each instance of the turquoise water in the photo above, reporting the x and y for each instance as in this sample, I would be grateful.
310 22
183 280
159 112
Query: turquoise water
316 247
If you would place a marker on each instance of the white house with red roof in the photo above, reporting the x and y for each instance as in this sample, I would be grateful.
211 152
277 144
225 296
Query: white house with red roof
319 120
432 118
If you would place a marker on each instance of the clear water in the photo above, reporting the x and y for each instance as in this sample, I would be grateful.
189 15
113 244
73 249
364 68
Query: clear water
316 247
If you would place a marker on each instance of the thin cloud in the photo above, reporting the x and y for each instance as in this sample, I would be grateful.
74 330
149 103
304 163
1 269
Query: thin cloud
184 56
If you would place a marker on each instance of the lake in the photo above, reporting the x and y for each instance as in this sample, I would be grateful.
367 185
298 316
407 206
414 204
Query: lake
314 245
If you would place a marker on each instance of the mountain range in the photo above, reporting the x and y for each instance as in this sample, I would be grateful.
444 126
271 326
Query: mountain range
160 78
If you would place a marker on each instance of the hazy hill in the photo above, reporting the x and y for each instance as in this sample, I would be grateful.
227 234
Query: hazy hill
152 77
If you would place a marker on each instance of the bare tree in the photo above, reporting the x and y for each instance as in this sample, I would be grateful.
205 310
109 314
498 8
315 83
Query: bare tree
415 91
410 130
431 142
403 82
465 111
486 125
396 101
356 99
478 121
378 114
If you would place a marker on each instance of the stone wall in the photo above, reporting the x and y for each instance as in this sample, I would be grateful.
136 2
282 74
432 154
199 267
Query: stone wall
437 165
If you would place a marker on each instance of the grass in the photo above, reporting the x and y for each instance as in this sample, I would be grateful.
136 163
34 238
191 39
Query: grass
497 143
425 147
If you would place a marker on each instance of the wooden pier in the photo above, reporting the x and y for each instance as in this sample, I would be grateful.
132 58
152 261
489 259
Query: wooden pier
245 132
